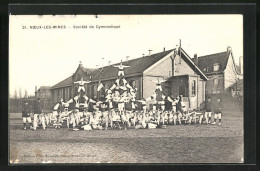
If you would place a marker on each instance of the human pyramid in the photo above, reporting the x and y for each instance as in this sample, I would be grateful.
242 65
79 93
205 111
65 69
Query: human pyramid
117 108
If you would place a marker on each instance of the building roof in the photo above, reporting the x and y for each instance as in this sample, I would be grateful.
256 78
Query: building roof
88 70
44 88
205 63
67 82
137 66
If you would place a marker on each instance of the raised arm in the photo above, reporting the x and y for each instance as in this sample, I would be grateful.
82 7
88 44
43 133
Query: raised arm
150 98
169 99
113 87
70 101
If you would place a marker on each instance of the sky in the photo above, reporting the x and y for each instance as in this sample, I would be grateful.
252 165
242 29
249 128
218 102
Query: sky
46 56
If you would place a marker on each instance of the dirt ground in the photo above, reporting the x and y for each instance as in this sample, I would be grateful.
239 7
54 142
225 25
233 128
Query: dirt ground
175 144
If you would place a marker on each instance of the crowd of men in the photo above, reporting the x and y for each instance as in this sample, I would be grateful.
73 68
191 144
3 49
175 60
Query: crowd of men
115 112
118 108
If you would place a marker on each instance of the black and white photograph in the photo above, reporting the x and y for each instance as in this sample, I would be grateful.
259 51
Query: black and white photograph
126 89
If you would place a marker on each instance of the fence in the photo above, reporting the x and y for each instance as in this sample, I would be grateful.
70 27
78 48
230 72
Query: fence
16 105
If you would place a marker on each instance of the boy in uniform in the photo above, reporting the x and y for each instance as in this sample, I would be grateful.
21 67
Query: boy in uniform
26 114
207 110
217 109
37 110
179 109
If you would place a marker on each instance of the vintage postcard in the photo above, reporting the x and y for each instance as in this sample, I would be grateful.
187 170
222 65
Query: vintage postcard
126 89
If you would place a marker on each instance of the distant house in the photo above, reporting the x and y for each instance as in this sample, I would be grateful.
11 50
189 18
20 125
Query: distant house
182 75
220 69
43 92
237 89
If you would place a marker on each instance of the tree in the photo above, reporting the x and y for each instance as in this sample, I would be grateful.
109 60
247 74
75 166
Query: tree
25 93
20 93
15 94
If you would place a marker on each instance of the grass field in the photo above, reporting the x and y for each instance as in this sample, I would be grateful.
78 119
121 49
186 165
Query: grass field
175 144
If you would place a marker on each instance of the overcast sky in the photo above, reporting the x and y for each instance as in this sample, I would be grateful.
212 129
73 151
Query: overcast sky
44 57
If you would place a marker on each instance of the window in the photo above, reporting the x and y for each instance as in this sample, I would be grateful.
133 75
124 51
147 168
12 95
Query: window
95 91
193 88
182 90
132 83
216 67
63 95
107 86
215 81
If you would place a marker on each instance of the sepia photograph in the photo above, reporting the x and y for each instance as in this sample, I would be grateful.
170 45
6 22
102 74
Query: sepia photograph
126 89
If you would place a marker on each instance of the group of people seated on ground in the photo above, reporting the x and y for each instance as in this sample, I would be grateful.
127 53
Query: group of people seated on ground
115 111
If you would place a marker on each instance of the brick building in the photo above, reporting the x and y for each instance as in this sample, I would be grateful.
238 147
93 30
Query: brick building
183 78
221 70
44 93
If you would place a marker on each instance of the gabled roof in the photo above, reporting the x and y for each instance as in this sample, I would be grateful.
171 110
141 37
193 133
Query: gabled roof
190 62
44 88
137 66
68 81
205 63
64 83
88 70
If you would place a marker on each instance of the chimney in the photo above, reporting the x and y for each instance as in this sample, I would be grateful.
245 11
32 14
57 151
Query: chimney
241 64
127 57
102 62
229 49
164 49
35 92
177 49
150 52
109 63
143 54
80 64
196 59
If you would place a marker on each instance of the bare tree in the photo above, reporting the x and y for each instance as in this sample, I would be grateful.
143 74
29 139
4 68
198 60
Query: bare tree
15 94
25 93
20 93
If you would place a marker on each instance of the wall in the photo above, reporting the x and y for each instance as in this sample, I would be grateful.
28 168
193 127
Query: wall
181 67
215 89
163 69
193 98
58 93
230 74
44 94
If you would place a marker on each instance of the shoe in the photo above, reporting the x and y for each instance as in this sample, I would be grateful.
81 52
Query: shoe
209 122
214 123
24 128
219 123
